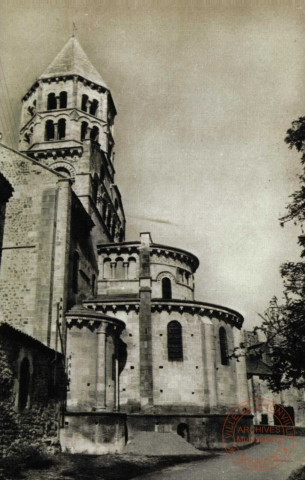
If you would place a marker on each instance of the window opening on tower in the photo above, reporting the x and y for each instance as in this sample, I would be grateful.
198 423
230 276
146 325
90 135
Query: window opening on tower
63 97
84 103
52 104
61 129
49 130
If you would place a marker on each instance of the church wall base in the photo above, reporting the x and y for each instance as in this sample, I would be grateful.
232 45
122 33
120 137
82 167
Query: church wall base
93 433
101 433
202 431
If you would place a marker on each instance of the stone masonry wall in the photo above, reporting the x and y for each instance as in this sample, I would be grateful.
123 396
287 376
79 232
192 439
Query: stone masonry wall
37 424
26 273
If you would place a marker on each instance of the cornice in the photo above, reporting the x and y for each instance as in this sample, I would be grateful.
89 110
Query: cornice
127 247
158 305
176 254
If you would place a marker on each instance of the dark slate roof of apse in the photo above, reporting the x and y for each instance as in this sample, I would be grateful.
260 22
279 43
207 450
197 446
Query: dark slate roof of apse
80 311
72 60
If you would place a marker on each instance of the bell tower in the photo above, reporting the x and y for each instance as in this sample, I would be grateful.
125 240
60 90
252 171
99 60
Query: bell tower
67 123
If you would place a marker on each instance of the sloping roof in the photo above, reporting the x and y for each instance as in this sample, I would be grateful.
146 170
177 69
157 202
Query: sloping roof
257 367
83 312
15 333
72 60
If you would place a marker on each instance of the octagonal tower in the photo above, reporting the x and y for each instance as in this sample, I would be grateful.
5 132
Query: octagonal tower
67 124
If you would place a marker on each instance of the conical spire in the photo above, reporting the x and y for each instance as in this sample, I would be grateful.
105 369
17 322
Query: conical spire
72 60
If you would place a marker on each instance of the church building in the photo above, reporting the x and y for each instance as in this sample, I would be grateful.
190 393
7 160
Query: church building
141 353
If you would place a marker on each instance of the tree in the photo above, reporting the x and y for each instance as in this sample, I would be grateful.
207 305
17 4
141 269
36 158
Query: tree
284 325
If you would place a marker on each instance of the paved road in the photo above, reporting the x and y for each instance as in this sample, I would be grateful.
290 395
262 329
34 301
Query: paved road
223 468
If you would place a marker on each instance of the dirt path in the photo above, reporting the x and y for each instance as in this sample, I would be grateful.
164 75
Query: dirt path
223 468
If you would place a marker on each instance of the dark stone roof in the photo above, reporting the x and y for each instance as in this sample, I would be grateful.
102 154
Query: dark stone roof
24 338
72 60
83 312
114 298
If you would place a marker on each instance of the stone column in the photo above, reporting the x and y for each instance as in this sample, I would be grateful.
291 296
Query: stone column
210 384
240 369
113 267
126 264
145 333
101 377
55 131
117 384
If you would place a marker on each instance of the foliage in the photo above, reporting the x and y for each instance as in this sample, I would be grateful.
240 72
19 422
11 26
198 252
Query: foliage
284 325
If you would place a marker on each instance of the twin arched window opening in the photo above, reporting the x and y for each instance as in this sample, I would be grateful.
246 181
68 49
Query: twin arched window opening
174 341
89 106
223 342
94 132
57 102
51 133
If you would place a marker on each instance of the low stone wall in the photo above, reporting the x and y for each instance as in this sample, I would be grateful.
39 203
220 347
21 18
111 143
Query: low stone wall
93 433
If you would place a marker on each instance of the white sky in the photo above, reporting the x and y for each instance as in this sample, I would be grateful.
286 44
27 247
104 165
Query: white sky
205 92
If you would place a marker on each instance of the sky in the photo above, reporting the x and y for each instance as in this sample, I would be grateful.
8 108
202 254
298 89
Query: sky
205 91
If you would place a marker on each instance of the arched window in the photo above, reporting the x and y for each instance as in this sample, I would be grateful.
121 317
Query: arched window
116 204
49 131
83 131
132 268
24 384
166 288
63 97
174 341
61 129
93 107
52 104
224 353
84 102
107 268
119 270
94 134
75 269
183 431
